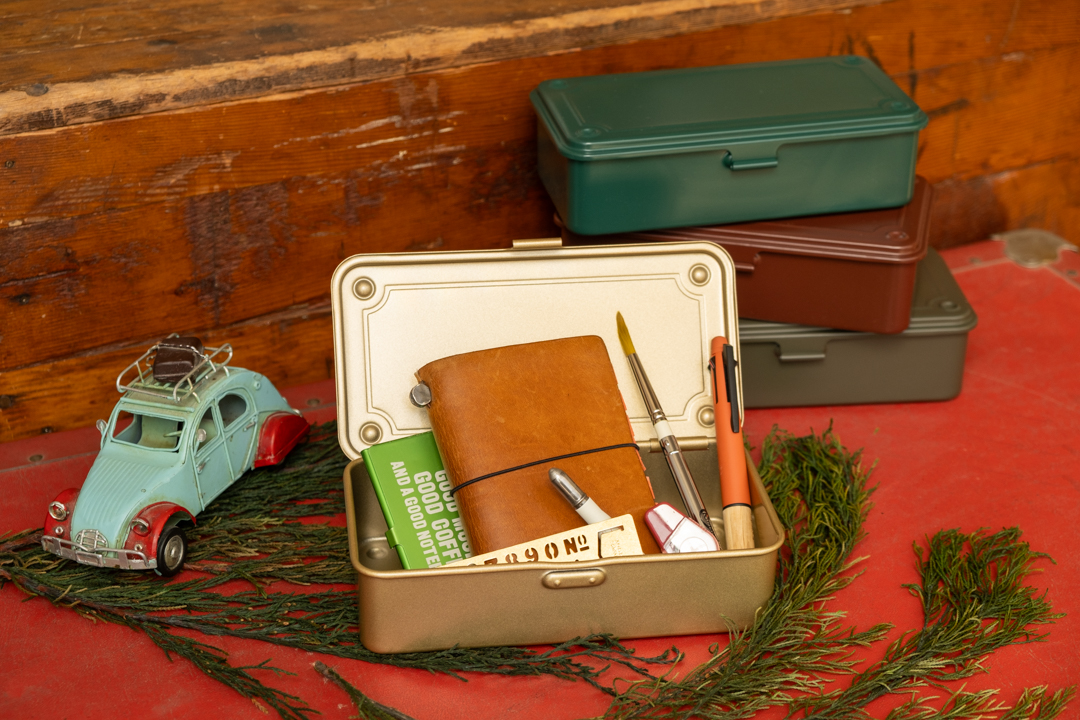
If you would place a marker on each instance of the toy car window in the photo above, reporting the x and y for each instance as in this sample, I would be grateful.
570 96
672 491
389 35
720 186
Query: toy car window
209 426
232 408
147 431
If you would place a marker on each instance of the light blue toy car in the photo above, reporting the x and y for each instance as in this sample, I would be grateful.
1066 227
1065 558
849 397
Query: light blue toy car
186 428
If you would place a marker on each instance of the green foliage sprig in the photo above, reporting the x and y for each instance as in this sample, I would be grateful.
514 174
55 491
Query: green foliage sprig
972 592
270 532
367 708
974 602
820 493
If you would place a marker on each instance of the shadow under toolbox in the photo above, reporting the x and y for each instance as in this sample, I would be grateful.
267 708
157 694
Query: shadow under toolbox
849 271
394 313
701 146
794 365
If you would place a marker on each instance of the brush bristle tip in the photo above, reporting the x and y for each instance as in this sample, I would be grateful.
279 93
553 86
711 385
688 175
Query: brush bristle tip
624 335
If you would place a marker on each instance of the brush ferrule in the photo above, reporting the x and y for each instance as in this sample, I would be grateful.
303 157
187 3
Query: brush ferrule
652 403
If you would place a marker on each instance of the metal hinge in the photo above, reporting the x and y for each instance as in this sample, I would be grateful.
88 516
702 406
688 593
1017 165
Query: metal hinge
537 243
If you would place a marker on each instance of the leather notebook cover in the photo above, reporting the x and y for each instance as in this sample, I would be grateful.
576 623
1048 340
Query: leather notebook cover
497 409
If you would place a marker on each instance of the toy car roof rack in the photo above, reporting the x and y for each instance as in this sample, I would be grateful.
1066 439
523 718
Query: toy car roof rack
208 362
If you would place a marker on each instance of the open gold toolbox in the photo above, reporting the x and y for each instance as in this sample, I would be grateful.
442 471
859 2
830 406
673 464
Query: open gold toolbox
395 312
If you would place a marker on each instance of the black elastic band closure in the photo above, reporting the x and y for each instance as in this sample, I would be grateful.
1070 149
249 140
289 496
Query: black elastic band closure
541 462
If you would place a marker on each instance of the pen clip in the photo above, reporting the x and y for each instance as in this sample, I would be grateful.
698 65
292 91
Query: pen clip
731 386
712 372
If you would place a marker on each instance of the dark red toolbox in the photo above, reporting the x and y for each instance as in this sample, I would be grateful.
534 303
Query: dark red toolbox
849 271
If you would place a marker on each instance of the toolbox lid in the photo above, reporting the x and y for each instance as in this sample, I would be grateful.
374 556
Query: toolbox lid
938 307
749 110
395 312
893 235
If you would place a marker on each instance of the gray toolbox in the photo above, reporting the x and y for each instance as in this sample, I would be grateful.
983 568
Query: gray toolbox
785 365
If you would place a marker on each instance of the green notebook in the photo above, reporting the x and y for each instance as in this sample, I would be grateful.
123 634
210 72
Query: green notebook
414 493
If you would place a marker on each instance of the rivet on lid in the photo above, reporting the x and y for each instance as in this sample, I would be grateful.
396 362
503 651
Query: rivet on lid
370 433
699 275
364 288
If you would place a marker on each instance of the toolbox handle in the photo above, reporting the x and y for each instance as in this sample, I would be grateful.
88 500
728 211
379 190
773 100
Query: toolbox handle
752 156
745 259
747 267
755 164
804 349
566 579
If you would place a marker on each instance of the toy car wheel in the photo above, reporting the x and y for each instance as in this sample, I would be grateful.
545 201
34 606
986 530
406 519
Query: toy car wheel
172 550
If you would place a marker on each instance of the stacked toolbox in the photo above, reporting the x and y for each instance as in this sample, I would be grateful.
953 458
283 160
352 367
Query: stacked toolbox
814 158
850 271
788 365
677 148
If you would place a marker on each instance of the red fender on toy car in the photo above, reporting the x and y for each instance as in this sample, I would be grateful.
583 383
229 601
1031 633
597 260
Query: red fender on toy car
58 518
148 523
281 432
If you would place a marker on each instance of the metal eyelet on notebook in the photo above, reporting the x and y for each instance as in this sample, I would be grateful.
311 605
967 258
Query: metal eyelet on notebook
420 395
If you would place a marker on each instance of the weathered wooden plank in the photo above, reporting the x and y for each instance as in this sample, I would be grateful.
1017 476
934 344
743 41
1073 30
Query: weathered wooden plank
296 346
1020 109
79 284
137 160
225 257
1043 195
442 160
90 62
170 156
289 348
253 48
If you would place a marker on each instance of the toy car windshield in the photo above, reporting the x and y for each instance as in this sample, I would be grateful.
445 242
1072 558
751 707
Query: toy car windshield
147 431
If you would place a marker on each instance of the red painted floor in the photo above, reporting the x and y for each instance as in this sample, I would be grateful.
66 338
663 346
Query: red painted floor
1004 453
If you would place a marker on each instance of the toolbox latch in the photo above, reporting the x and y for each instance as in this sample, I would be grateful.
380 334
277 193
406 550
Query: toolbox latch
801 349
563 579
537 243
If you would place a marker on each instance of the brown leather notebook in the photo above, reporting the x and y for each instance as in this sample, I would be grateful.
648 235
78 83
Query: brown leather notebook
496 410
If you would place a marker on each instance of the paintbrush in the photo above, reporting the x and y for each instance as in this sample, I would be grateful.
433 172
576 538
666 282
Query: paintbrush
695 508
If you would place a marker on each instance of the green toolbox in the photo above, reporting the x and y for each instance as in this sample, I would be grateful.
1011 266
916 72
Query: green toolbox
787 365
727 144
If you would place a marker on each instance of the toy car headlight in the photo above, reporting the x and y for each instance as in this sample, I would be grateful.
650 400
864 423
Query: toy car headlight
140 526
57 511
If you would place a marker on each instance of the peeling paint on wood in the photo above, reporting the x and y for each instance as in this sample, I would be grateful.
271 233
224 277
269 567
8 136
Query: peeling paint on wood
461 34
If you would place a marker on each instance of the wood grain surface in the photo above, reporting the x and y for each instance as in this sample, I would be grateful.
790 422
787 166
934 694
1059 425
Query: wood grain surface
226 219
66 62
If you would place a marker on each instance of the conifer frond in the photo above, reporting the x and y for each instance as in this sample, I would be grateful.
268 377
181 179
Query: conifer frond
972 593
271 527
270 531
367 708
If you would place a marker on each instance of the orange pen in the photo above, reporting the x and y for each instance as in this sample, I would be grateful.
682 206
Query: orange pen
734 484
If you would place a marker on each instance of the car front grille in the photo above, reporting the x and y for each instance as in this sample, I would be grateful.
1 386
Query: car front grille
90 539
